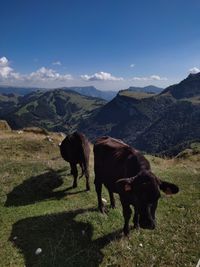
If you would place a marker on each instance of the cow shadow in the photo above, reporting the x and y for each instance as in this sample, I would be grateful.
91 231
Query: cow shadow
64 241
38 188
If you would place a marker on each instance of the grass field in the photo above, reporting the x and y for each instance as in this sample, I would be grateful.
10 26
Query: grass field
38 209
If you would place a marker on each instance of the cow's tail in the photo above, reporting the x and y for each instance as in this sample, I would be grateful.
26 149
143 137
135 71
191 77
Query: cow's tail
84 169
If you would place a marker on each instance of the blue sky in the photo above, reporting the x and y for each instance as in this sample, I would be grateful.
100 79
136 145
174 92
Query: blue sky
111 44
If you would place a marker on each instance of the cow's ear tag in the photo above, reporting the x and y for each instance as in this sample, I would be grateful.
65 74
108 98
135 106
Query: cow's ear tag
127 187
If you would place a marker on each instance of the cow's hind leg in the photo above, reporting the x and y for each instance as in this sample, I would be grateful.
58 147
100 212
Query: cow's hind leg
87 180
82 170
112 199
74 172
87 175
98 187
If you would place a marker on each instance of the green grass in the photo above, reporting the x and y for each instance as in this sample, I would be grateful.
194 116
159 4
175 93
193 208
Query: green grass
36 211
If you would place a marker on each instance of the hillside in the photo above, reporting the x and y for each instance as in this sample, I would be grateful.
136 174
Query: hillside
57 110
8 103
39 209
159 124
177 127
126 116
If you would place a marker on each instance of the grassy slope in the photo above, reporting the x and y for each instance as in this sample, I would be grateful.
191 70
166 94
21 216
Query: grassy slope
51 110
35 211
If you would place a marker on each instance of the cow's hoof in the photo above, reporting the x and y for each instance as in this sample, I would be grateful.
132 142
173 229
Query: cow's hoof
136 226
126 232
103 210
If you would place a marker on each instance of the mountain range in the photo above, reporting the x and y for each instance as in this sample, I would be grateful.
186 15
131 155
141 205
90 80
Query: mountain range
86 90
162 123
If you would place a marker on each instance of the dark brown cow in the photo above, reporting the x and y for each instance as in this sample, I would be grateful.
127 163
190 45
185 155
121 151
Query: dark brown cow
124 170
75 149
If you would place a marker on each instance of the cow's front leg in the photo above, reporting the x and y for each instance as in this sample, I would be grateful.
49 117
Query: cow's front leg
74 172
127 215
136 219
112 200
98 187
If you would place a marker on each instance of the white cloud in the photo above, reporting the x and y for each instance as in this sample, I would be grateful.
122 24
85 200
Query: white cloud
49 77
132 65
8 75
5 70
150 78
58 63
194 70
44 74
158 78
3 61
101 76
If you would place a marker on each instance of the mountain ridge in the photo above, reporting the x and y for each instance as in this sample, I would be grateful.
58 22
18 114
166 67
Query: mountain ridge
153 123
146 89
187 88
84 90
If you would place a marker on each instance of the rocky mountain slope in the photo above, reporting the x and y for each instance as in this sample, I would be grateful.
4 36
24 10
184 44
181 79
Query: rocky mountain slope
188 88
164 123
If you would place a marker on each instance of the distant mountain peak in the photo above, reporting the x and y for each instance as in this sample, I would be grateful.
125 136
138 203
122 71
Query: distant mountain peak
187 88
193 75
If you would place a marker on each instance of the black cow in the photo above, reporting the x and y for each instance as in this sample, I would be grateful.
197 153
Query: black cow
76 150
124 170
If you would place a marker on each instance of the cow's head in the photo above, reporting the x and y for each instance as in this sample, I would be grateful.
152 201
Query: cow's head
143 191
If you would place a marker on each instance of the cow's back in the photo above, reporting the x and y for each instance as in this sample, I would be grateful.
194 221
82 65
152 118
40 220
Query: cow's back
75 148
113 160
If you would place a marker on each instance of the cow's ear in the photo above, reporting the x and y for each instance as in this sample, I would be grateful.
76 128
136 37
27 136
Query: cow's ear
123 185
169 188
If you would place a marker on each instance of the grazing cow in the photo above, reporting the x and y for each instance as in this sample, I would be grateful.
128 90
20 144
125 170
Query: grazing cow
125 171
75 149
